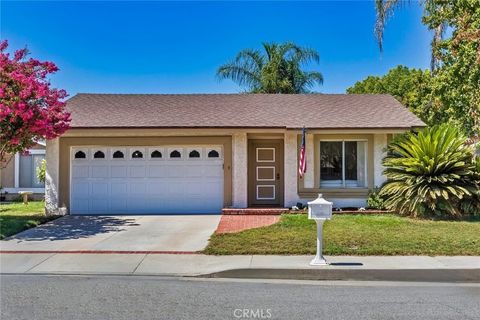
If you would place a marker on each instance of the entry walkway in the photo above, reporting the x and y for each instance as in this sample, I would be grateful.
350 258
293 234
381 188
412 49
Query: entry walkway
237 223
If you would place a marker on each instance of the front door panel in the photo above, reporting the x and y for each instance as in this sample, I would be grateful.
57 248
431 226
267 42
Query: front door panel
265 176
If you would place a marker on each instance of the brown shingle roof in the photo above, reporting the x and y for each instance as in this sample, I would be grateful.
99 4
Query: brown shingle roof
239 110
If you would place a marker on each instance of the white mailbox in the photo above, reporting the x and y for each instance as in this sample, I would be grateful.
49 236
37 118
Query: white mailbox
319 210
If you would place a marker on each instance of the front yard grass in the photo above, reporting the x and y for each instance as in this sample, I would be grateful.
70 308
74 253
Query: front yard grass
16 217
354 235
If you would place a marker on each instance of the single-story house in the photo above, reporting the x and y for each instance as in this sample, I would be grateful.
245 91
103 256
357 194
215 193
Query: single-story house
20 173
199 153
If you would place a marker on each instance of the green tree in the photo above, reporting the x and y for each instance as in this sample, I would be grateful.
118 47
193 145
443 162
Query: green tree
278 69
409 86
430 172
455 59
456 81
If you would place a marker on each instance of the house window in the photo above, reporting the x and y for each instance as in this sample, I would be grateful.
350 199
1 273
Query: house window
213 154
80 155
99 155
343 164
118 155
175 154
137 155
156 154
194 154
28 166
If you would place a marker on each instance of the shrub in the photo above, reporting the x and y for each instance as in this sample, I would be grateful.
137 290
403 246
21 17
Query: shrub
431 172
41 171
375 201
17 199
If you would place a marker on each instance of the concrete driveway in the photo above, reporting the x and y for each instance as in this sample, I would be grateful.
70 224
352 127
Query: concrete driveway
117 233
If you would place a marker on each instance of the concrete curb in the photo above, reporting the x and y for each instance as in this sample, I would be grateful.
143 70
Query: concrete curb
413 275
471 276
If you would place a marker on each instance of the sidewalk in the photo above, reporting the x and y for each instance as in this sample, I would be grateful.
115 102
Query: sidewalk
248 266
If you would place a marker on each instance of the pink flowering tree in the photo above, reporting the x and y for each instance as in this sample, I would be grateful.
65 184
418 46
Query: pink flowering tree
30 110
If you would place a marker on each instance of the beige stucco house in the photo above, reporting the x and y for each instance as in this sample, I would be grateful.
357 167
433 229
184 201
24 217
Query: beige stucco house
199 153
19 173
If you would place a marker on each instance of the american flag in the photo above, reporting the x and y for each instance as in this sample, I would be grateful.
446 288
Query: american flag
302 163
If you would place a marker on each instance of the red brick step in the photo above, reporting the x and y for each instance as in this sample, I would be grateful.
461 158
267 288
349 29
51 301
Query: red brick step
254 211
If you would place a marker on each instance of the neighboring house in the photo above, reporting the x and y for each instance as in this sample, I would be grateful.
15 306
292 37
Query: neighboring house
199 153
20 173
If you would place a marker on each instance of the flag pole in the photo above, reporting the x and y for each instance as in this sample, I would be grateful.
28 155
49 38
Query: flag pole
302 161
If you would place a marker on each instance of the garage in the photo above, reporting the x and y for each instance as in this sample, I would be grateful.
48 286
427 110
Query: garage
146 180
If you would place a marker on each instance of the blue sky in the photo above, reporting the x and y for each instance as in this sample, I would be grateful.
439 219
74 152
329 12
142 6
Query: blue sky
176 47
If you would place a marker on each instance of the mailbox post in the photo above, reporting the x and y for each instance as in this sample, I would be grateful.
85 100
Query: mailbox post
319 210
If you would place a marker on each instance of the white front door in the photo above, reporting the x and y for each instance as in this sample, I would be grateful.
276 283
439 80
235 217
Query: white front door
146 180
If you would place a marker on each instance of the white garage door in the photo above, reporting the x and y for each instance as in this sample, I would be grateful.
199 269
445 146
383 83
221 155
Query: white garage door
146 180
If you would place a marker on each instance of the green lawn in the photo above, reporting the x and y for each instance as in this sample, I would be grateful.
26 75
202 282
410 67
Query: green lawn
355 235
17 217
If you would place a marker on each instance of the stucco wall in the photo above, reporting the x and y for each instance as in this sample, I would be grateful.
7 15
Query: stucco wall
338 202
7 174
380 143
52 177
291 189
309 177
239 174
239 170
348 202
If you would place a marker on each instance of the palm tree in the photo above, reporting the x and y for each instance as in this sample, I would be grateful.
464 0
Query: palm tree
431 172
276 70
386 8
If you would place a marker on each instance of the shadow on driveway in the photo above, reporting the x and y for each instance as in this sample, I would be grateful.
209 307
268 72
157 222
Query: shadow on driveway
76 227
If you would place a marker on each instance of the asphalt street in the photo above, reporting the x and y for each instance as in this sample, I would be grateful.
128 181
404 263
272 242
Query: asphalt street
147 297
